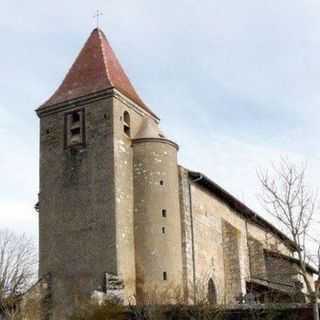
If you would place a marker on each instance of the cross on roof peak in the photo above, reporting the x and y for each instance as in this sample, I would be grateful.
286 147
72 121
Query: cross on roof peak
97 16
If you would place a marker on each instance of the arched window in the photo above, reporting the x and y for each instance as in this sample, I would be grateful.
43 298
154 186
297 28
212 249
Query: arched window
126 123
212 292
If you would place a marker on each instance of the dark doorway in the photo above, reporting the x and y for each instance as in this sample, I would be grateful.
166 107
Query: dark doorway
212 292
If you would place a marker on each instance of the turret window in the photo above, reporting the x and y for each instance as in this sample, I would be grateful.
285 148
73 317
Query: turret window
126 123
74 128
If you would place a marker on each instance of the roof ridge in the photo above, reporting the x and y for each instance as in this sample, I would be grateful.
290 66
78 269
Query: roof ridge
103 38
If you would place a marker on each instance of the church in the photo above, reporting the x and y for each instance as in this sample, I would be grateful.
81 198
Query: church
118 214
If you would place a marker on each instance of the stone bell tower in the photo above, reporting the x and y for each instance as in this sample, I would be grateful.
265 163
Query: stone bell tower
86 223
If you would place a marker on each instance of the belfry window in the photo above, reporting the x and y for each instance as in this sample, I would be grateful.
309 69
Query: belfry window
74 128
75 117
126 123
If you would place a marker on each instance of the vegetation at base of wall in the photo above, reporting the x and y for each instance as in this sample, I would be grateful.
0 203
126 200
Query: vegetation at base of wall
107 310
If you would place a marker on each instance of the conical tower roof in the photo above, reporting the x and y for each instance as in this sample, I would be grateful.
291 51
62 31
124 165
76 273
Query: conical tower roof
95 69
149 129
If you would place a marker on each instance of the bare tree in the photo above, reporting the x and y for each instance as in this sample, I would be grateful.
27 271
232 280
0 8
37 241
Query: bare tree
285 195
17 266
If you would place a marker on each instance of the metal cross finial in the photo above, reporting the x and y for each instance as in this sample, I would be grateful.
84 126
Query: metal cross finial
97 16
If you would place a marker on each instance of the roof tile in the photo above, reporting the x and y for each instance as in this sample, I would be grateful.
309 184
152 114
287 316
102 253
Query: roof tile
96 68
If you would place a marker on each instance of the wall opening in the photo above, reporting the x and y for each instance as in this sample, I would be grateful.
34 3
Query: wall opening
164 213
74 128
163 229
161 182
75 117
126 123
164 276
212 292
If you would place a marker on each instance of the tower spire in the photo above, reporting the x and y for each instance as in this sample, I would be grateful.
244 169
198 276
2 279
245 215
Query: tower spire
95 69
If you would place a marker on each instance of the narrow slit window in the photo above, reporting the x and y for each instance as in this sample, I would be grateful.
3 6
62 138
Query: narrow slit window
165 276
126 123
163 229
161 182
164 213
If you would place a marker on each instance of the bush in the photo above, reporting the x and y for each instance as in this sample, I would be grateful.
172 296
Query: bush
108 310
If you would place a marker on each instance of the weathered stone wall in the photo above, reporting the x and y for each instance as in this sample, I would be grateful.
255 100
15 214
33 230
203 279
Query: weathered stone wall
280 271
86 201
157 234
76 218
257 258
209 215
231 259
123 169
269 240
205 224
187 236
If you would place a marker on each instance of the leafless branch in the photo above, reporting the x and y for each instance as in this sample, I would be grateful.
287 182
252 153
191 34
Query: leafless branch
286 196
17 265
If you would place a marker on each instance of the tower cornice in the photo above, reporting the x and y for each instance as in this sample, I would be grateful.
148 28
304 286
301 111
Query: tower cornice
85 100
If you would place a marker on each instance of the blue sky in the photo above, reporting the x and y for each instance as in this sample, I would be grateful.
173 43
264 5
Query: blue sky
235 83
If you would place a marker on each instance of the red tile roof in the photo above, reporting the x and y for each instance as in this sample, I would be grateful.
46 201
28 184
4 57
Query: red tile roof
96 68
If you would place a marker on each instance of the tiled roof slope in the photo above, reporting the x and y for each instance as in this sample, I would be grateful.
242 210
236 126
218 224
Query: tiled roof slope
96 68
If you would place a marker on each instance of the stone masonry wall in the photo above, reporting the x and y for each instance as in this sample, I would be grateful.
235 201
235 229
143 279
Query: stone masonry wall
209 214
157 220
257 259
76 217
124 212
231 255
281 271
186 234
